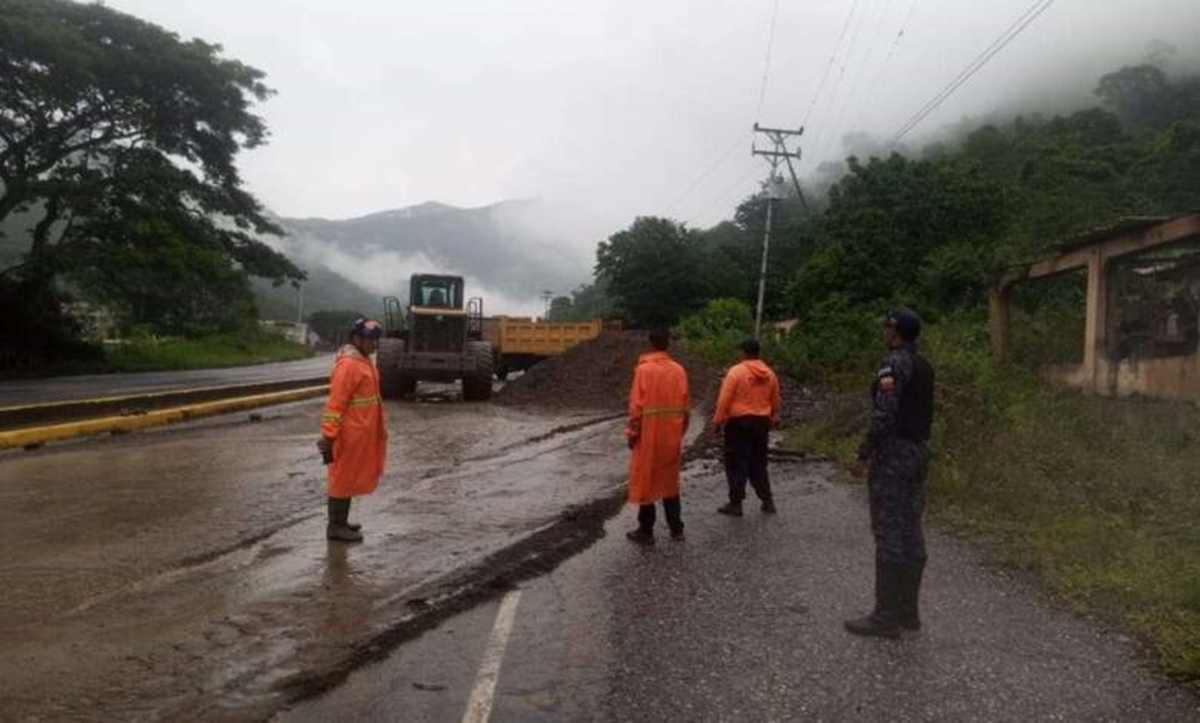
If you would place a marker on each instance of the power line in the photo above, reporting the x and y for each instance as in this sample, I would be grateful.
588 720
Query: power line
1033 13
900 34
706 173
829 63
762 92
852 100
742 181
824 133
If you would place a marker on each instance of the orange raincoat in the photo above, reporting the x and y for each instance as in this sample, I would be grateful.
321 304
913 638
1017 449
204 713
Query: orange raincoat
658 413
354 419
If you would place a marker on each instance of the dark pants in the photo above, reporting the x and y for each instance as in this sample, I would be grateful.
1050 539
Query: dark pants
673 510
746 456
897 493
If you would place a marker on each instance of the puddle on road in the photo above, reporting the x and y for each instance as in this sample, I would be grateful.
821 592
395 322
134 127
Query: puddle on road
202 549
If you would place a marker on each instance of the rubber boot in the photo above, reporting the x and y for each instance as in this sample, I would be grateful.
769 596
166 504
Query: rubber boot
674 509
733 509
337 530
882 622
354 526
910 594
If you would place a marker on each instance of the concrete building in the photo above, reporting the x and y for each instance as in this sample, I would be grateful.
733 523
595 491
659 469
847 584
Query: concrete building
1145 340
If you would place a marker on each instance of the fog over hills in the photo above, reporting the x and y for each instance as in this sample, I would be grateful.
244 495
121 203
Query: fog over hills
509 252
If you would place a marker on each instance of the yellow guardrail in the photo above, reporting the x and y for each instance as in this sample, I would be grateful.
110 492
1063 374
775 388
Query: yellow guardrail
35 436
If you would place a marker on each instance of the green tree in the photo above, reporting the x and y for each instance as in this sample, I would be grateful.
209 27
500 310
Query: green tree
117 142
591 301
654 271
560 309
333 326
918 231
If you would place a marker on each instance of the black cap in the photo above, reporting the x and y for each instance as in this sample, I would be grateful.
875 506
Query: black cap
906 321
750 346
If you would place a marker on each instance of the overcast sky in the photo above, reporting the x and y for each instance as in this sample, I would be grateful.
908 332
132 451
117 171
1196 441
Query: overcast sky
615 108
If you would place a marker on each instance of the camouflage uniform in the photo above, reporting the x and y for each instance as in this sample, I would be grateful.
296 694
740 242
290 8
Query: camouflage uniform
902 396
901 418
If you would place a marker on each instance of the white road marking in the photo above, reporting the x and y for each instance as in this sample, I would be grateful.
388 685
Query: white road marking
479 705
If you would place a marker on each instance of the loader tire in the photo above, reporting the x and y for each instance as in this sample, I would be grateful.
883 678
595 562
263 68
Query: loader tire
393 384
477 387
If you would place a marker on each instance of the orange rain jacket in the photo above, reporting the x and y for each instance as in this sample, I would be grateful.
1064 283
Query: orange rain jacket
749 389
658 412
353 417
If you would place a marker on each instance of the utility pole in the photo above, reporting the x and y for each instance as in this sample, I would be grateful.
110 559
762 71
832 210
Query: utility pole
773 190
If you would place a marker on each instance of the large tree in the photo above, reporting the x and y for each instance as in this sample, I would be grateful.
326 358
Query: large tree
654 270
117 149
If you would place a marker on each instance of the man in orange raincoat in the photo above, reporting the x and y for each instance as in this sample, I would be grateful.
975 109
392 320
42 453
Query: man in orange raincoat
353 438
658 419
747 407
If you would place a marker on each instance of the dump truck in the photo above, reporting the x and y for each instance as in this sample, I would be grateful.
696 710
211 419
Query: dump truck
520 342
438 337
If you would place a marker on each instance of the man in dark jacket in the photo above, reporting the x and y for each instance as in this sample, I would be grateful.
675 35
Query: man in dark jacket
896 461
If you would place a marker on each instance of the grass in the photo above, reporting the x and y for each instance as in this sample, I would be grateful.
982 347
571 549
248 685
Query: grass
1099 497
220 350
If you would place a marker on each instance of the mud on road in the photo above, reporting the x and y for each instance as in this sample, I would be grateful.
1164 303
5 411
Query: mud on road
184 573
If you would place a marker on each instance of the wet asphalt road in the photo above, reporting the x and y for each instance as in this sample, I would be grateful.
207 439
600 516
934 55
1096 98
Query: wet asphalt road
183 574
742 622
60 389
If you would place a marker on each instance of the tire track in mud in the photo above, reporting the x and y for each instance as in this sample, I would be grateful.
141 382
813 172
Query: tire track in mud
537 554
245 545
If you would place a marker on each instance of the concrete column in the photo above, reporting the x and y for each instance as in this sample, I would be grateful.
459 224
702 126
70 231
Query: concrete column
998 320
1095 333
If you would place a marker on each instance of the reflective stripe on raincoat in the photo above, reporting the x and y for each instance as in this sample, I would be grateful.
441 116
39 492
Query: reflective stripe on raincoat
353 417
658 411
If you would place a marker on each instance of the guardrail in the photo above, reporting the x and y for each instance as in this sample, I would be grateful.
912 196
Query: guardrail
32 425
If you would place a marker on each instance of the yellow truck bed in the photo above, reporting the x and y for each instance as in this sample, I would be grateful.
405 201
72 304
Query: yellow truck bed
522 335
520 342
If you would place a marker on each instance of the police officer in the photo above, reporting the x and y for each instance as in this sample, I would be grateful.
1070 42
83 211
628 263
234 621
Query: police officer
895 460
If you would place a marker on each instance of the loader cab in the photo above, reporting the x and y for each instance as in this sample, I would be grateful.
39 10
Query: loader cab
427 291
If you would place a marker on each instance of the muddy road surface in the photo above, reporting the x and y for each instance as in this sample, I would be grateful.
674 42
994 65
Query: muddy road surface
184 574
743 622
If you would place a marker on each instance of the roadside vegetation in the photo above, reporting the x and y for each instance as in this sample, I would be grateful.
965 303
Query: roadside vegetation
149 353
1095 496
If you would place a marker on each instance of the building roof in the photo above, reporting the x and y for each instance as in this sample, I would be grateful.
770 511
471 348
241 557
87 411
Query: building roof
1126 225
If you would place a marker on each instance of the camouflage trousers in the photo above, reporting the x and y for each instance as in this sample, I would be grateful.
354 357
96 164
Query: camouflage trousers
896 487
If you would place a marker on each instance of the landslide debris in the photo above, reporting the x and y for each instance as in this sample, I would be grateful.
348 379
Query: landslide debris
596 375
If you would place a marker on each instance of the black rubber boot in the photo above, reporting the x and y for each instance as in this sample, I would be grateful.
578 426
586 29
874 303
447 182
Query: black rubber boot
733 509
882 622
337 529
768 506
910 595
640 536
354 526
674 509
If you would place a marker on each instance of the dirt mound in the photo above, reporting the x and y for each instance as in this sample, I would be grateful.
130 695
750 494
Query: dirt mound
596 375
